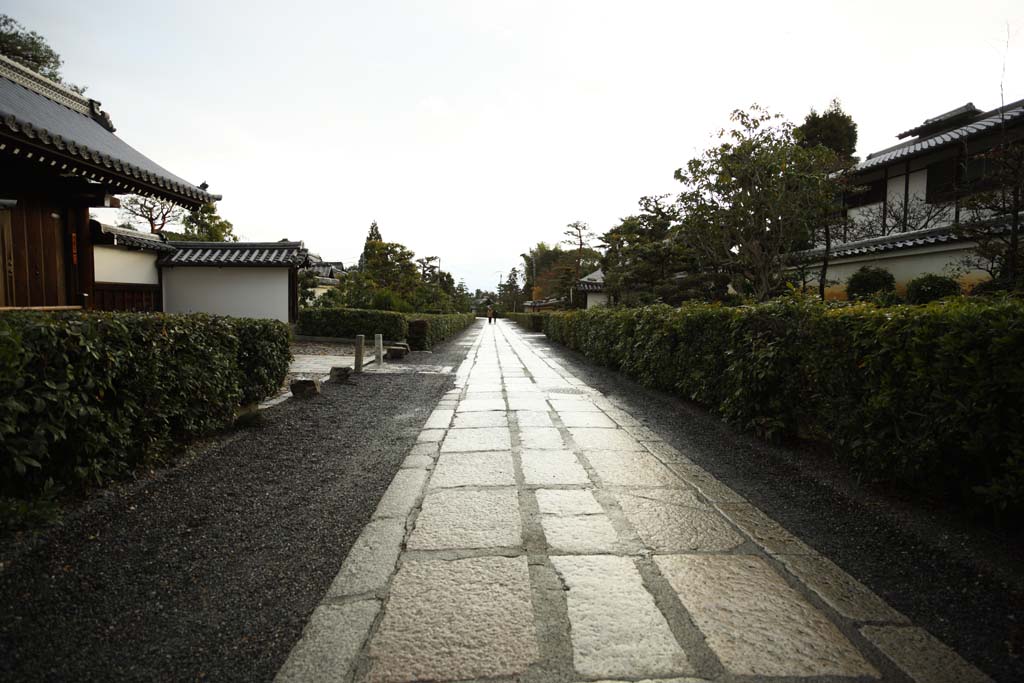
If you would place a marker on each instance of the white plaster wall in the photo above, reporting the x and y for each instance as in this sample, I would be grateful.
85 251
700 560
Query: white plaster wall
239 292
857 212
596 299
905 265
918 185
116 264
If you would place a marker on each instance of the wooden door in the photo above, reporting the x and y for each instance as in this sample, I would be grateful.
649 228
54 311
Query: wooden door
6 260
34 254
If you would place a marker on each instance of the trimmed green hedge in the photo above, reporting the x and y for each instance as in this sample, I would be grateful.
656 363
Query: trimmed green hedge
349 322
87 397
425 330
531 321
932 396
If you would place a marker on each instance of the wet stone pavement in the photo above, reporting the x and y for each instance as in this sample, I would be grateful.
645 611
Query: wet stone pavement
538 532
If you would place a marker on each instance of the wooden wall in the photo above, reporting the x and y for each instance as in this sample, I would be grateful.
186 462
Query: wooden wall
40 247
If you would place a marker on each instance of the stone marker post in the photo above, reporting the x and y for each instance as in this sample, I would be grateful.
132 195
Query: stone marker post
360 339
378 343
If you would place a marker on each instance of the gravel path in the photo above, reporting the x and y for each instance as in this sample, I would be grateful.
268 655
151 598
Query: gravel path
962 582
210 569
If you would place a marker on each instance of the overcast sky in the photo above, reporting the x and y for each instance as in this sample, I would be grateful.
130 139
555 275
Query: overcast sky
473 130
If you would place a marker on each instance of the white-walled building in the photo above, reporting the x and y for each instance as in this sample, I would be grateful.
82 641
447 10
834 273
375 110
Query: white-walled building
593 287
908 197
143 272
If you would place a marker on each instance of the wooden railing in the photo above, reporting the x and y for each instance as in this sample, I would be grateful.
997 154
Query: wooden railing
116 296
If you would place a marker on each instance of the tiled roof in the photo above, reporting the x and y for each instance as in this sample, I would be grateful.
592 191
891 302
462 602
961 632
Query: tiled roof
43 114
236 254
124 237
1011 113
899 240
591 283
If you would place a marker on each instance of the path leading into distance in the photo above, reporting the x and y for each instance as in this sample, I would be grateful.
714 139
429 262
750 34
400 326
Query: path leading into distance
538 532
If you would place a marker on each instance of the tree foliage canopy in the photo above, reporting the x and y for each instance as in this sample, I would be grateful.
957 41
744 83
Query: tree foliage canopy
833 129
205 225
31 50
752 200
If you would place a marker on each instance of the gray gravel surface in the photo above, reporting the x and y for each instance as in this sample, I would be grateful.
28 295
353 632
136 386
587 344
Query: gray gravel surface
209 570
962 582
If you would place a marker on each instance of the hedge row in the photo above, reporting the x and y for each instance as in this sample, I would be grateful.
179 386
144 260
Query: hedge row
425 330
928 395
87 397
531 321
349 322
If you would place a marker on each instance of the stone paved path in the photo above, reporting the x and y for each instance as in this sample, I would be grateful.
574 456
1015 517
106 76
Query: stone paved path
538 532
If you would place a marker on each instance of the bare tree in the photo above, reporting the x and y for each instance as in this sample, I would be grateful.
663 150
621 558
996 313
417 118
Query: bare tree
898 214
579 236
156 213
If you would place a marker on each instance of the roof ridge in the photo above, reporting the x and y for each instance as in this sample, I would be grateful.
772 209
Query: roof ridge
41 85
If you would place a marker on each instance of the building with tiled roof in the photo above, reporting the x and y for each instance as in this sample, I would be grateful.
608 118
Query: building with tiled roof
907 198
59 158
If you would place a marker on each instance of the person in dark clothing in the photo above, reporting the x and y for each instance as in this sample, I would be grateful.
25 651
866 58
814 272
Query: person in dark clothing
490 315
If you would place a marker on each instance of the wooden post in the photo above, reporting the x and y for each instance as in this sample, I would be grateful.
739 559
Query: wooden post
360 339
378 344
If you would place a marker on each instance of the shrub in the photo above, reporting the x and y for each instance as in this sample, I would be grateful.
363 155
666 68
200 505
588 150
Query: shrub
86 397
425 329
868 281
264 355
927 288
531 321
348 322
932 396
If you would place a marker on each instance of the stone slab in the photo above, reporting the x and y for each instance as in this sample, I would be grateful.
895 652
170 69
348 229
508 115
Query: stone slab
617 630
402 494
439 419
841 591
563 405
484 419
673 520
477 439
631 468
580 534
921 656
371 560
534 418
330 643
754 622
474 469
430 436
610 439
454 620
425 448
541 438
417 462
764 530
473 405
457 518
584 419
537 404
548 468
567 502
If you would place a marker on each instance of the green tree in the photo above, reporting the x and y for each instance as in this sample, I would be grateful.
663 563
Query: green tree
833 129
752 200
389 265
205 225
31 50
641 260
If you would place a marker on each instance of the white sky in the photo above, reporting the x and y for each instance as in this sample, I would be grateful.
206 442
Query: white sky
472 130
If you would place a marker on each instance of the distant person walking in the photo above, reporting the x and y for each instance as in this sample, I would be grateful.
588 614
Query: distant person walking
490 315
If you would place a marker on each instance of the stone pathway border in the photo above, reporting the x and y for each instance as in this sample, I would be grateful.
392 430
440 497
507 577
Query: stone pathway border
536 531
